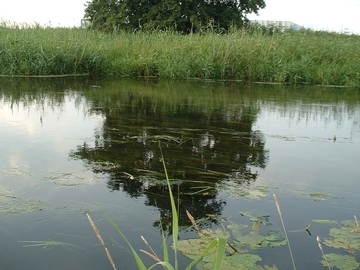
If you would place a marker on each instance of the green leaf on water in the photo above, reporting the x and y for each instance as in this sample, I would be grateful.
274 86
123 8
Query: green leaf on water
256 236
192 247
237 230
252 240
237 261
253 193
345 236
274 238
317 196
342 262
257 216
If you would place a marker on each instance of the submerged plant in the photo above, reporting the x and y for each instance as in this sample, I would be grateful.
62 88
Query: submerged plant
47 244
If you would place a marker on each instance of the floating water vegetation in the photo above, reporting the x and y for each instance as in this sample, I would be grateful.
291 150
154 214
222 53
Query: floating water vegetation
348 234
241 239
347 237
9 203
218 242
105 166
68 179
23 171
316 196
6 193
342 262
249 192
48 244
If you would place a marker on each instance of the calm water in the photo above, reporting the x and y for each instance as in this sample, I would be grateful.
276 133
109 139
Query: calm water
71 146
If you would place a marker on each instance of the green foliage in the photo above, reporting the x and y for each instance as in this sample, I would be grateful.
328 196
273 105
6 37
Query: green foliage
347 235
243 237
10 203
342 262
317 196
252 193
185 16
191 247
286 57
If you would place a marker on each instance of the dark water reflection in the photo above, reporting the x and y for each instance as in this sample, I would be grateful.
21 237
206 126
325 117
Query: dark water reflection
218 140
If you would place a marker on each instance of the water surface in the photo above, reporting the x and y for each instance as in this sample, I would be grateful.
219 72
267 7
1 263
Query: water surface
71 146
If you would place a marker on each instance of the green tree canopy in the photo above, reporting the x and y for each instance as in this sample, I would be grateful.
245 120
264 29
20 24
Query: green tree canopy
184 16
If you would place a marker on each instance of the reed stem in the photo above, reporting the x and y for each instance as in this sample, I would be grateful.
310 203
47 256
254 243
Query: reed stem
283 225
320 247
97 232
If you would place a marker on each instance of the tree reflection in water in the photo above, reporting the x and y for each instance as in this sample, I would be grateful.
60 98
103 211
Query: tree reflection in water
203 149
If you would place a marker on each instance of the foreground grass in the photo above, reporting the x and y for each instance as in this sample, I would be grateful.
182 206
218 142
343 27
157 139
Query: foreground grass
290 57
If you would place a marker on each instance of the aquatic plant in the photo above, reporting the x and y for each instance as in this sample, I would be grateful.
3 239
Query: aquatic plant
240 238
218 242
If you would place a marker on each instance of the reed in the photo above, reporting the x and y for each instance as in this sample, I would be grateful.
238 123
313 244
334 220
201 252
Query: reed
357 224
283 225
322 252
292 57
97 232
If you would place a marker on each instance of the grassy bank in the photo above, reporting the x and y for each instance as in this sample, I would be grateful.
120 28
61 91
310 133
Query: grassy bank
290 57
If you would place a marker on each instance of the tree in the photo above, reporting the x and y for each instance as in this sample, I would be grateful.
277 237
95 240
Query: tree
183 16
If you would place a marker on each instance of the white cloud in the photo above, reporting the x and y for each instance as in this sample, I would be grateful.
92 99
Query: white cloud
317 14
56 13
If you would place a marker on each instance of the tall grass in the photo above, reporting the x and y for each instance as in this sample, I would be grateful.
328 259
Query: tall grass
280 57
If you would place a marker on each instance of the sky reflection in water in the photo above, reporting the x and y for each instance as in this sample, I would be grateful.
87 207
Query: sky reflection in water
75 146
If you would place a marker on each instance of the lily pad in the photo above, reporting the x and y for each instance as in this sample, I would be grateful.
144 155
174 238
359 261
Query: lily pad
342 262
240 237
254 236
192 247
253 240
344 237
274 238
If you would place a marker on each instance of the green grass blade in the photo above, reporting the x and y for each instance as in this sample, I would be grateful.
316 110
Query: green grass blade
175 220
220 252
165 249
221 242
166 265
139 262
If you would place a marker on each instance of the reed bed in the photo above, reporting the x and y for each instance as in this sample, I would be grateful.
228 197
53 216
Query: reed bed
293 57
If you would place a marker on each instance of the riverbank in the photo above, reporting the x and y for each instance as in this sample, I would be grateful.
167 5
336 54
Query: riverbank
292 57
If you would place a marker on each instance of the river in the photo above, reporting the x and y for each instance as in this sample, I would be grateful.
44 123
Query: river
77 146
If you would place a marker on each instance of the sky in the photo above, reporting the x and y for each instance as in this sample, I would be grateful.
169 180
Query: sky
341 16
